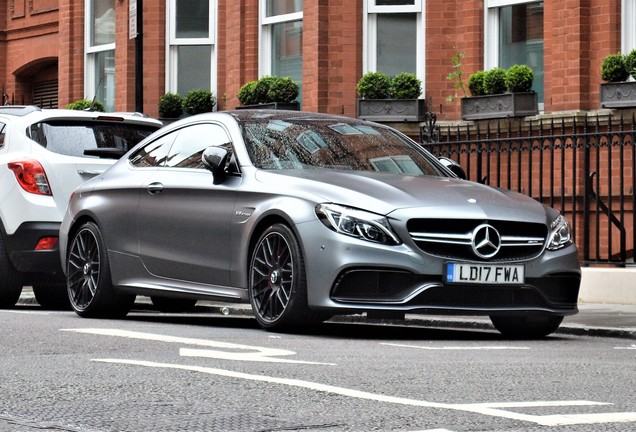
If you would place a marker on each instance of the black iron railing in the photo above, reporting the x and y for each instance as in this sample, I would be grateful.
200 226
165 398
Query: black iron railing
583 167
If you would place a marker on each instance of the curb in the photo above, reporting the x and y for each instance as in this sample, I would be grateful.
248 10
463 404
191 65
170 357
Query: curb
476 323
481 324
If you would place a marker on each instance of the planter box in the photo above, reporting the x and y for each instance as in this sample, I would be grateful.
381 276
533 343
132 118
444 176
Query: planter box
392 110
618 94
290 106
500 106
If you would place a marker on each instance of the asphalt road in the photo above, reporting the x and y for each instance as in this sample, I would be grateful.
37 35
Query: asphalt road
209 372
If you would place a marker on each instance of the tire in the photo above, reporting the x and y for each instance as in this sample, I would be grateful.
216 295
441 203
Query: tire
52 297
173 305
89 284
526 326
277 281
10 279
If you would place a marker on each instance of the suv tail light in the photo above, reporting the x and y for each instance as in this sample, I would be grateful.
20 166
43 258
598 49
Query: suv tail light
31 176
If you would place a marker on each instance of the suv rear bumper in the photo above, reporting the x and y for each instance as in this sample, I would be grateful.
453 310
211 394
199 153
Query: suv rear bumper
21 249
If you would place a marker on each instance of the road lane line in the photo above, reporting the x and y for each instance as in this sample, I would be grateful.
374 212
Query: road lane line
457 348
275 380
631 347
489 409
232 351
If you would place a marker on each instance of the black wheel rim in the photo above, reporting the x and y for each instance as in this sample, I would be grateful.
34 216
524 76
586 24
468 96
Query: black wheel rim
83 269
272 277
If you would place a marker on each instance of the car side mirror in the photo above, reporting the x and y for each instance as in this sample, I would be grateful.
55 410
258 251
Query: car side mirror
215 159
454 167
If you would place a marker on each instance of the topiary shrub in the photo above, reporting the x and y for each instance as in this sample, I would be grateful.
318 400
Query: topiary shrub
261 89
199 101
614 69
519 79
630 63
246 94
405 85
282 89
170 105
495 81
374 85
268 89
86 105
476 83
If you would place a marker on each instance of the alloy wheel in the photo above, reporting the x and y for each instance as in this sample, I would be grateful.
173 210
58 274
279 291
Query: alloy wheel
272 277
83 269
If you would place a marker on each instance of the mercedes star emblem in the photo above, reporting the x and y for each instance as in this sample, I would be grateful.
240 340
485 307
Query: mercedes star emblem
486 241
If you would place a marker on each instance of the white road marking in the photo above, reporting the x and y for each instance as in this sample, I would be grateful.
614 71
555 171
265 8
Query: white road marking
225 351
458 348
631 347
489 409
260 355
503 410
31 312
435 430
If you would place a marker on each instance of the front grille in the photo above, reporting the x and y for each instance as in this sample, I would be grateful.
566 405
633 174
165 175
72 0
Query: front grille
453 239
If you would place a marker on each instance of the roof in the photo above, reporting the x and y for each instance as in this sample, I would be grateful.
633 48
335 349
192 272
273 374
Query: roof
21 111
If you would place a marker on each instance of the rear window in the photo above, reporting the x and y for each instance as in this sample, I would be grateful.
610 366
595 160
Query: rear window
77 138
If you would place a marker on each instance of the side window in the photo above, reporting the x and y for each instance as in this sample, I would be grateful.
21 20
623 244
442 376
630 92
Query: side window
153 154
2 132
192 141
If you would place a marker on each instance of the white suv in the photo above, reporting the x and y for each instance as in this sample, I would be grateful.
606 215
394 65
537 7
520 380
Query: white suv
44 155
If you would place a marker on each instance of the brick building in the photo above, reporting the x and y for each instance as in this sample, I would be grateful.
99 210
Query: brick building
82 48
128 53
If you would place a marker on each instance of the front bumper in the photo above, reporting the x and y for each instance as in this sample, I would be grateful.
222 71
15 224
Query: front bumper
350 275
405 291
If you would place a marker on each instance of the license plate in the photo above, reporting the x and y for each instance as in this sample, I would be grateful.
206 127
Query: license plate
484 273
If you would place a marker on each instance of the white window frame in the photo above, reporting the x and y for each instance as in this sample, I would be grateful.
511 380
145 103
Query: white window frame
417 6
265 35
90 52
628 26
491 32
370 35
172 42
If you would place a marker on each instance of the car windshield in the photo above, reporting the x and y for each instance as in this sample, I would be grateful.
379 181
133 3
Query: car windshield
310 143
73 138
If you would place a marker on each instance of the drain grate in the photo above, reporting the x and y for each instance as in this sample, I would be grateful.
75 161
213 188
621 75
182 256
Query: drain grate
155 417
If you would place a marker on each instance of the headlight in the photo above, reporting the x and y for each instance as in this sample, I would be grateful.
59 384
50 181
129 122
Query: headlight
357 223
560 233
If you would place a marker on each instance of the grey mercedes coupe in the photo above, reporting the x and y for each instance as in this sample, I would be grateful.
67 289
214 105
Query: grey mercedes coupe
307 216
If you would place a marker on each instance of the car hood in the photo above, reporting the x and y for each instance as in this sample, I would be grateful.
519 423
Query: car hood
426 196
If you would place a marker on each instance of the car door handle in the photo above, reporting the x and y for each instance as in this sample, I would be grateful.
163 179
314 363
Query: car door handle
90 172
154 188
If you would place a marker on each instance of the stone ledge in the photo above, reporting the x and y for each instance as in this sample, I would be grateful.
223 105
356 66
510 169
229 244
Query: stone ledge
608 285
